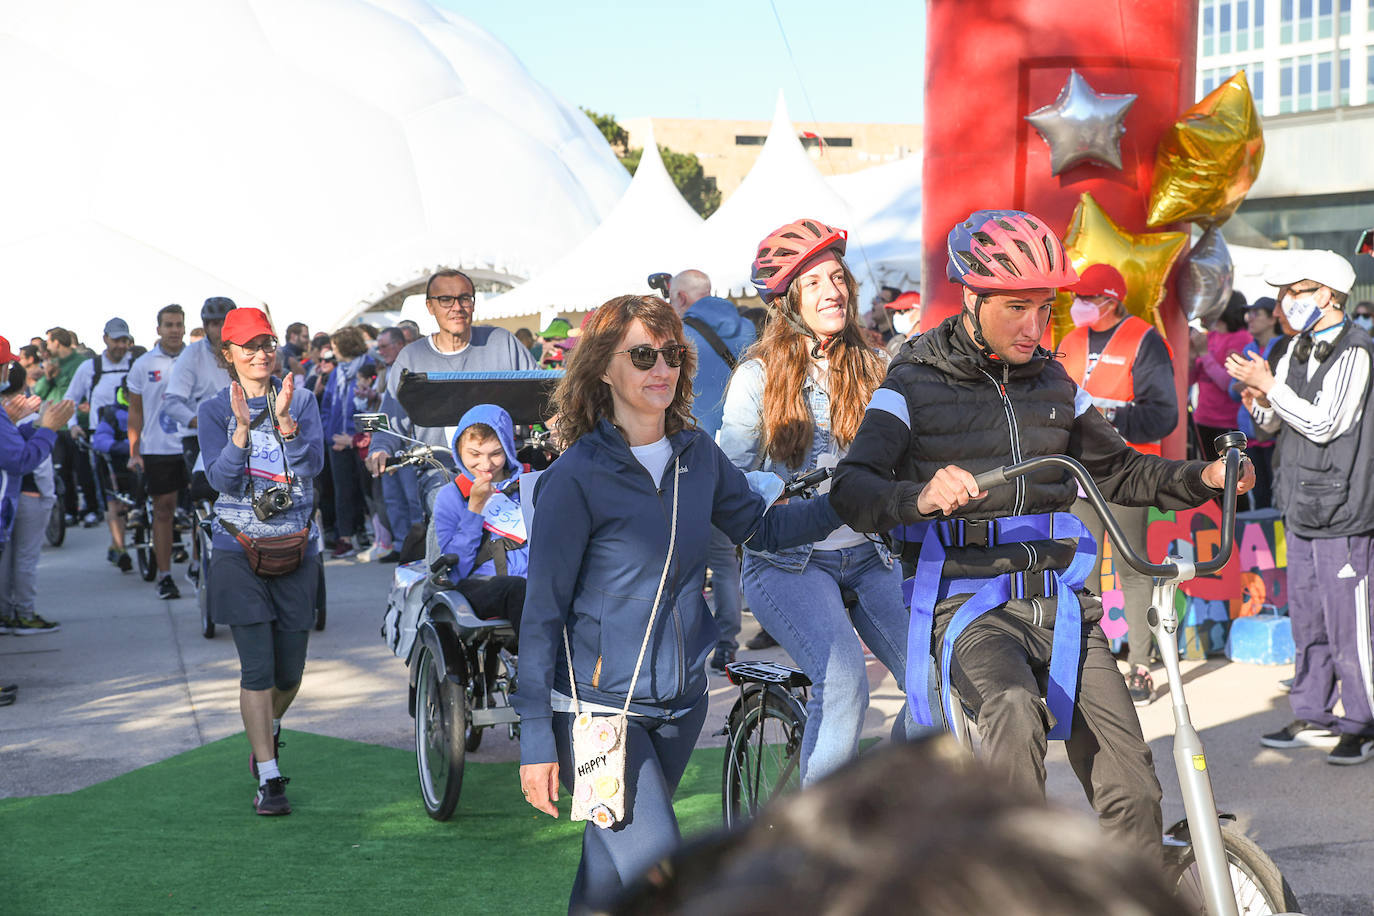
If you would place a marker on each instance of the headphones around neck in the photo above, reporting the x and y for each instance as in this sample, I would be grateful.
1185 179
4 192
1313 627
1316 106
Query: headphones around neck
1320 351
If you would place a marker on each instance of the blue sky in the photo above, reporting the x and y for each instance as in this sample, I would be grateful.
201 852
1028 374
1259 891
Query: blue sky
720 58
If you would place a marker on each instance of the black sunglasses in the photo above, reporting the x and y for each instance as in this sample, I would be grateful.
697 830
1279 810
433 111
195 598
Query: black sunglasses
645 357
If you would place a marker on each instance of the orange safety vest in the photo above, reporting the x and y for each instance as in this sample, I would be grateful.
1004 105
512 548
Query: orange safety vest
1110 377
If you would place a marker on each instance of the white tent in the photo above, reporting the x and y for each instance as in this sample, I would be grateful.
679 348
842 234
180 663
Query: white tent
647 231
783 185
317 155
885 201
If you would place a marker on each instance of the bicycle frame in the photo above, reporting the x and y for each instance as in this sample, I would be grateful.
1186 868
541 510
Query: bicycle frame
1195 784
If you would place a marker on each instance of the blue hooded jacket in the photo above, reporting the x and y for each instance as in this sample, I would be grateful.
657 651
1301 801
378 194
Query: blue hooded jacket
598 543
22 448
455 528
112 438
713 375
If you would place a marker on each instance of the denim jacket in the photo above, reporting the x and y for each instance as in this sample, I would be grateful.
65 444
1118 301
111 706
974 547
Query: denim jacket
741 439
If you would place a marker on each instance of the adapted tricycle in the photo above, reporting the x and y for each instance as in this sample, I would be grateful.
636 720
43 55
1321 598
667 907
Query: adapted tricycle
462 667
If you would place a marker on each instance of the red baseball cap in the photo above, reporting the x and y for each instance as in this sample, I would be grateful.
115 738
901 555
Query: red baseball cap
909 300
243 324
6 354
1100 280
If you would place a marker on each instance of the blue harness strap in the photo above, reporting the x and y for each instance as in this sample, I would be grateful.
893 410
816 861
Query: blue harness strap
928 587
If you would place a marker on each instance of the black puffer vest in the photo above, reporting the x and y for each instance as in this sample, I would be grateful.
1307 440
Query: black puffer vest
987 413
1326 490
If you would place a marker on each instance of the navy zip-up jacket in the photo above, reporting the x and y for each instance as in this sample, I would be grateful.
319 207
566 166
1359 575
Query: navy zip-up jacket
597 546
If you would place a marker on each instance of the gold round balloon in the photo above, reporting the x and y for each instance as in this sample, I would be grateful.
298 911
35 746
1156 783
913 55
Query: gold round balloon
1144 261
1207 162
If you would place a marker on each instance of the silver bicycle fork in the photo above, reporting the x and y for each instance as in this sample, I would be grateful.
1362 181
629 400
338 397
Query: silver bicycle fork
1189 758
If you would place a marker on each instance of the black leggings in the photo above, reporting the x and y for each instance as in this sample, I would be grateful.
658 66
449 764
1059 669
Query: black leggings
269 657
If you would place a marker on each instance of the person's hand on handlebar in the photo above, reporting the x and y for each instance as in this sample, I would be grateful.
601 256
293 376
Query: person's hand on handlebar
539 783
375 462
950 488
1214 475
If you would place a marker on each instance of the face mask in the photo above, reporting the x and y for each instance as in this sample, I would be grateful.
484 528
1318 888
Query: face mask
1083 313
1302 311
1366 322
903 322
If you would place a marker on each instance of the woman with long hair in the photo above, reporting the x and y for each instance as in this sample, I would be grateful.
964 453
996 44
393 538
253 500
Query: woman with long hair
262 445
795 404
614 619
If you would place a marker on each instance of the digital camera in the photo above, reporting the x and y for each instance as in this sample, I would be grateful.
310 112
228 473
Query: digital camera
272 501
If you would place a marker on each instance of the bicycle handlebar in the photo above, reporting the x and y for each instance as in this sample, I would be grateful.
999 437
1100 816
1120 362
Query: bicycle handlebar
1229 444
800 485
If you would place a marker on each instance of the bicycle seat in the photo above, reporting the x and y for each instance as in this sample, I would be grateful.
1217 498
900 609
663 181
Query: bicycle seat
451 607
766 673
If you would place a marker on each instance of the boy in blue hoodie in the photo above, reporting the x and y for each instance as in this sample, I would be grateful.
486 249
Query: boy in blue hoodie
478 516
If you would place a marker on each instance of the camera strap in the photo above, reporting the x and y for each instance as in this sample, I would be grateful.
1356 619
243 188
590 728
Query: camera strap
266 416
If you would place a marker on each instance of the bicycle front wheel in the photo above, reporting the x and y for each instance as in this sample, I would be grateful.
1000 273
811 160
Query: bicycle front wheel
1260 887
56 531
762 754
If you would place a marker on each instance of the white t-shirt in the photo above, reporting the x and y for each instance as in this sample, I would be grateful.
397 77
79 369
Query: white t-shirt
161 435
843 536
655 457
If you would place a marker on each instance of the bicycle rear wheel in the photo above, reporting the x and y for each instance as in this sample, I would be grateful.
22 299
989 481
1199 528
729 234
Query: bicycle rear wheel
441 718
1260 887
762 754
207 623
143 550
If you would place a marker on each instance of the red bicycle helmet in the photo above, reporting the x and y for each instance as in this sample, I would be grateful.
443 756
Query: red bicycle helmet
1001 250
783 251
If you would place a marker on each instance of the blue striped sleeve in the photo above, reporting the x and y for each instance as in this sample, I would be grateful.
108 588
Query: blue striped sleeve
889 401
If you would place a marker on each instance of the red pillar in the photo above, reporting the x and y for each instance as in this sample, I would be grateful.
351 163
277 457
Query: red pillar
989 63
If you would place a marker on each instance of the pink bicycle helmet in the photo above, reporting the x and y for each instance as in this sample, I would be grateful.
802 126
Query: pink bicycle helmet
785 249
1000 250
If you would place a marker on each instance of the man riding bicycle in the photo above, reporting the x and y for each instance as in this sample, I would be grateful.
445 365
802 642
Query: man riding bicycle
996 569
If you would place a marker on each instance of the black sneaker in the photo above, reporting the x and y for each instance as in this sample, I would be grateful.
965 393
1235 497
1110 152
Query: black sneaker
1351 749
34 626
166 588
276 754
761 640
271 797
1301 734
1141 687
720 658
124 561
7 625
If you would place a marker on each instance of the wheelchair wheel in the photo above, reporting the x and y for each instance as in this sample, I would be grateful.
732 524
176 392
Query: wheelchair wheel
144 553
56 531
1260 888
762 753
441 717
207 625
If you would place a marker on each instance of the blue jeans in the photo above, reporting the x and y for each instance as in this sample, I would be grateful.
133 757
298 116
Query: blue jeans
401 492
726 597
656 755
806 615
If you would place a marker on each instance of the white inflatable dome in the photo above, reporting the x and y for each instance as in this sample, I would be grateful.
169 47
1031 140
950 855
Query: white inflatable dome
320 156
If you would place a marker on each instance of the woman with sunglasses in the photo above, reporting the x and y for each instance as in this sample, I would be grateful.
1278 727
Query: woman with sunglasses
794 405
618 543
262 445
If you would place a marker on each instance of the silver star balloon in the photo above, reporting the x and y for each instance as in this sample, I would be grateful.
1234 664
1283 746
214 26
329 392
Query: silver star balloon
1082 125
1207 278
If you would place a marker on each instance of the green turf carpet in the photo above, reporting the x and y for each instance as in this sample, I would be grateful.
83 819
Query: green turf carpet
181 836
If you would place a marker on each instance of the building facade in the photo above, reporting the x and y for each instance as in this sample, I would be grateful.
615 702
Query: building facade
727 149
1310 65
1299 55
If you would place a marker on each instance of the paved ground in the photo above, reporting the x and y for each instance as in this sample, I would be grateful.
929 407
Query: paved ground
130 681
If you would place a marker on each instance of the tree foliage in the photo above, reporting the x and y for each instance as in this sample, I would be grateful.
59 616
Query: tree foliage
617 136
684 168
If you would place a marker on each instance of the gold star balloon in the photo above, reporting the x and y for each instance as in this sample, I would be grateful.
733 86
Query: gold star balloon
1207 162
1144 260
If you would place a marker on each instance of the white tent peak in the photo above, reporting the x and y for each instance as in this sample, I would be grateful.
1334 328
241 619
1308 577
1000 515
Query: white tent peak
783 185
648 230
